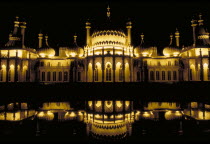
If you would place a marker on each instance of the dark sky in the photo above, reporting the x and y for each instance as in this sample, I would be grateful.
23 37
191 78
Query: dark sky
62 19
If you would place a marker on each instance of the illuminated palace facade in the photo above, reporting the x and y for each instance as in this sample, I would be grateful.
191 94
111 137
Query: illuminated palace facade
108 56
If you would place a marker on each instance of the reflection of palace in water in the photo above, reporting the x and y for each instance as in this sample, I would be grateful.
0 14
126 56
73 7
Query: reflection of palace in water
105 119
107 56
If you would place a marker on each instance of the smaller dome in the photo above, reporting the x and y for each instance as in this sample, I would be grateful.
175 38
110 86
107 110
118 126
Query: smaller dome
171 51
46 50
75 50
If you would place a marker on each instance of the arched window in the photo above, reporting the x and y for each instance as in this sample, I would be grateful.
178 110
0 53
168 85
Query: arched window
176 63
54 76
48 64
59 64
43 76
60 76
169 63
120 73
96 73
9 75
152 77
157 75
65 76
48 76
174 75
1 75
108 72
138 75
163 75
79 76
158 63
169 75
190 74
27 75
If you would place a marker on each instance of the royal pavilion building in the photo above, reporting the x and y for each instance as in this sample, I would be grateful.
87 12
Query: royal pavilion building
108 56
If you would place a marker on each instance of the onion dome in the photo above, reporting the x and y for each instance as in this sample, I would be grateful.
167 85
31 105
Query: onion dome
144 49
46 50
75 50
16 36
171 50
203 35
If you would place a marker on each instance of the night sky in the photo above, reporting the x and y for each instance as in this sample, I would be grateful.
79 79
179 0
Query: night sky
62 19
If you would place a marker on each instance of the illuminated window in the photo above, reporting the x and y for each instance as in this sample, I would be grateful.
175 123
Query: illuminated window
27 75
65 76
96 73
108 72
42 64
120 73
157 75
152 76
176 63
43 76
54 76
48 64
163 75
145 63
59 64
174 75
79 76
169 63
169 75
9 75
60 76
17 75
1 75
158 63
138 75
48 76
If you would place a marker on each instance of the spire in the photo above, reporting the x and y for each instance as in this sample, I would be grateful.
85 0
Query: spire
177 37
171 39
75 38
142 38
200 21
46 40
108 12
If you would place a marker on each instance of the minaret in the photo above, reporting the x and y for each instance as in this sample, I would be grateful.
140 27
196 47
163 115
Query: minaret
129 26
88 33
40 37
46 40
108 12
142 38
200 21
16 25
23 27
194 24
177 37
171 39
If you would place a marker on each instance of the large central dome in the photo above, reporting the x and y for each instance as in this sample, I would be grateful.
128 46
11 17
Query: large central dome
108 37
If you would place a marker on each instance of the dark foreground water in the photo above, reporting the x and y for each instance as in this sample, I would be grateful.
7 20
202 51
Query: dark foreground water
105 121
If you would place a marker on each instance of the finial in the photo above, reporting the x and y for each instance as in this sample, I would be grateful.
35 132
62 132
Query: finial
171 39
108 12
177 32
200 16
142 36
75 38
17 17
